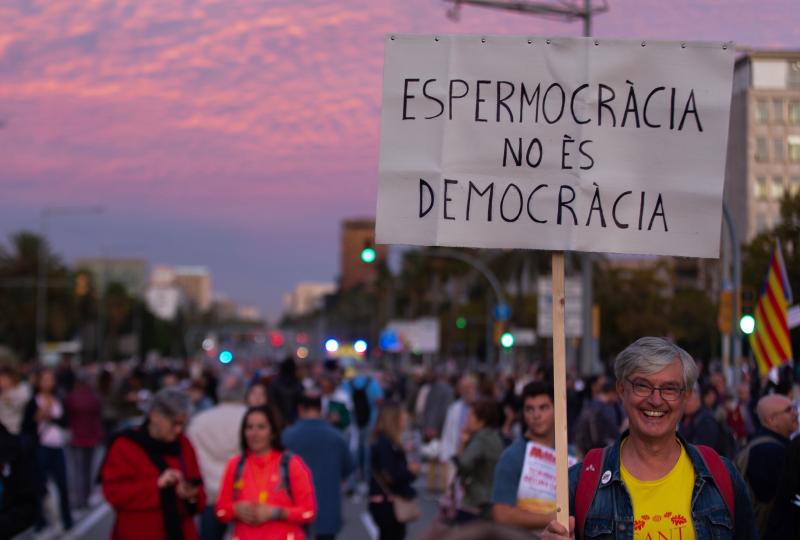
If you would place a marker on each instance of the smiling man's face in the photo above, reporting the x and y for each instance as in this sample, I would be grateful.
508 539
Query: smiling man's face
651 416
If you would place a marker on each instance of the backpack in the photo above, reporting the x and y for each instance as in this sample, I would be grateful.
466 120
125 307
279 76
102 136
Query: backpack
761 510
342 414
285 482
361 405
283 466
592 465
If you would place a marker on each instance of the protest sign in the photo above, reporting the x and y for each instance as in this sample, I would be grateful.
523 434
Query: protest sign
554 143
559 144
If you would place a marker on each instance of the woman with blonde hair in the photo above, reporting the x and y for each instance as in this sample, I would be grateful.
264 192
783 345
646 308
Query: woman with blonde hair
392 475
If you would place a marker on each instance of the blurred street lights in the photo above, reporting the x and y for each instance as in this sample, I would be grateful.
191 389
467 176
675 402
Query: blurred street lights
41 280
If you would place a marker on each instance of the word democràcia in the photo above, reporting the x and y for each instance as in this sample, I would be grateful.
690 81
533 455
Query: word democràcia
640 210
508 101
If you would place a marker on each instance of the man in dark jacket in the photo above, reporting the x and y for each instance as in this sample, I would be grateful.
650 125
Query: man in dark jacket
762 460
285 391
698 425
784 519
17 486
326 453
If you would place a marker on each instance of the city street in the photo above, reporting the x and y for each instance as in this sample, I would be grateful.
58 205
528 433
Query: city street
96 524
262 260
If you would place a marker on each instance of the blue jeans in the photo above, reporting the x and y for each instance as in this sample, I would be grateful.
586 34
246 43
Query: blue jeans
81 460
210 527
53 464
362 455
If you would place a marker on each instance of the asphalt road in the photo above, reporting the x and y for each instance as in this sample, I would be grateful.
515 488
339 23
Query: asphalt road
97 523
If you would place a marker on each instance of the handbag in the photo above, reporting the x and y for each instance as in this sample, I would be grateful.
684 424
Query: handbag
405 510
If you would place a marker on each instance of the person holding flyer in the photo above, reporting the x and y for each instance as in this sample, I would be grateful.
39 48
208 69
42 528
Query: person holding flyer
524 489
651 483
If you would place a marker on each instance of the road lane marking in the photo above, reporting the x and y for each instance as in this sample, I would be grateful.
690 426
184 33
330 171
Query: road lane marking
372 529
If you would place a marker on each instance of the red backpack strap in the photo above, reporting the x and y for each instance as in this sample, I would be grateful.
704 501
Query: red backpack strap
721 475
588 480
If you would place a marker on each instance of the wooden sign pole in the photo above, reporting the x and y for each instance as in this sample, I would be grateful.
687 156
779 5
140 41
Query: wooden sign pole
560 391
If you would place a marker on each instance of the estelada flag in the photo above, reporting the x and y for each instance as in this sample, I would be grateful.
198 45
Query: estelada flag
770 340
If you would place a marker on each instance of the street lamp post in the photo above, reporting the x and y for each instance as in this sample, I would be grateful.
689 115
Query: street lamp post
735 346
41 280
481 267
568 11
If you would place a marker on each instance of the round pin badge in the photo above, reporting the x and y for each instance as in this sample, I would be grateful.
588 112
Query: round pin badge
606 477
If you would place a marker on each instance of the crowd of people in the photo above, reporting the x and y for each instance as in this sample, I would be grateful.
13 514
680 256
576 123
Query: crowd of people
272 450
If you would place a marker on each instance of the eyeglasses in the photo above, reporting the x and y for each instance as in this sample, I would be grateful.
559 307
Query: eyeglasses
645 389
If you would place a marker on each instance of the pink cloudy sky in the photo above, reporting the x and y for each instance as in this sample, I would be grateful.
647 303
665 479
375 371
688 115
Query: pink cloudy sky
236 134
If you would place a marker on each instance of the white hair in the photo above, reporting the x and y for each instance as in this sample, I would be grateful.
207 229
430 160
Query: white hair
651 355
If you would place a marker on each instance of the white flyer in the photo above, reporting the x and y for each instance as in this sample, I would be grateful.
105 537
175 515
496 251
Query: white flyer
537 483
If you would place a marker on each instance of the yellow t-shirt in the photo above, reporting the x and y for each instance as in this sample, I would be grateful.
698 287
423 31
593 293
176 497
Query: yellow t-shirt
662 509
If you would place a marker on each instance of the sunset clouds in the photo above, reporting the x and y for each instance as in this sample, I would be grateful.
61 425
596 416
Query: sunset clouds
245 116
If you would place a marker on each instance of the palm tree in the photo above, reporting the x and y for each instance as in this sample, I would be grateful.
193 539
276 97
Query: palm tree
18 280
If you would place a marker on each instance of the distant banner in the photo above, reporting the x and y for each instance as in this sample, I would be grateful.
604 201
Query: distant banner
561 144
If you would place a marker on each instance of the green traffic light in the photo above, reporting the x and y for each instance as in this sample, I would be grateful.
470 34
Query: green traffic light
368 255
747 324
507 340
461 323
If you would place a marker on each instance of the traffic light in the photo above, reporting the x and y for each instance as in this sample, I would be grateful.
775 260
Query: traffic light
276 339
82 284
225 357
507 340
461 323
499 329
368 254
747 323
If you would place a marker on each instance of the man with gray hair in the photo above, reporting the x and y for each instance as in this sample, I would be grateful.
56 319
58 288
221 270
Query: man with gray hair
150 475
651 483
215 436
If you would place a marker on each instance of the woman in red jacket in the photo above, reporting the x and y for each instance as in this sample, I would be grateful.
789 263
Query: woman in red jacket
150 475
266 491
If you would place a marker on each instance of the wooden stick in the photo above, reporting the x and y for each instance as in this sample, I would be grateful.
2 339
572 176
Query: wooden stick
560 391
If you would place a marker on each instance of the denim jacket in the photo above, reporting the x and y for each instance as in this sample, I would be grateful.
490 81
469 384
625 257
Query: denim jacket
611 512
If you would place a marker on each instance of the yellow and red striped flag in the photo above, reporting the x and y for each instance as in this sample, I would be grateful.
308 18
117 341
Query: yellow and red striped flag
770 340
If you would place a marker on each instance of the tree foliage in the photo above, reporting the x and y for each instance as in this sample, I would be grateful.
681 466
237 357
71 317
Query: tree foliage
19 270
757 253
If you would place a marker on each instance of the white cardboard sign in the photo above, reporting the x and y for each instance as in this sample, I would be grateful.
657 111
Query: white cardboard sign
560 144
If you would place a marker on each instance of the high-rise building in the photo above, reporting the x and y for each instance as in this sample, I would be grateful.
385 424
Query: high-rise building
306 297
356 235
195 282
764 139
131 273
